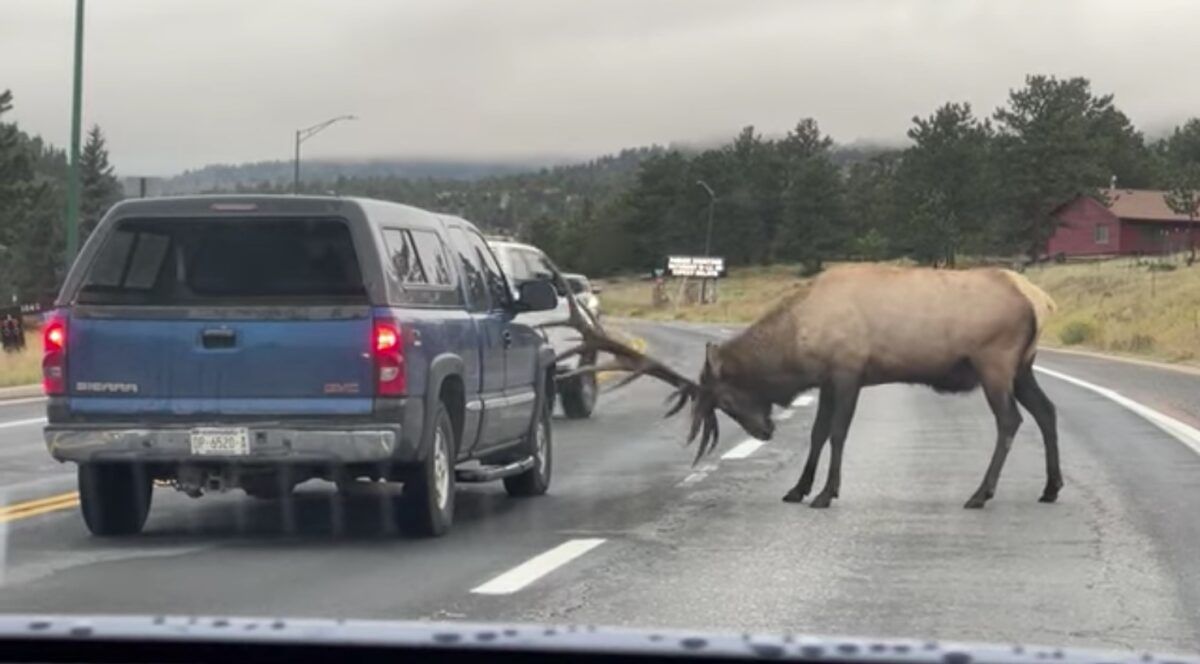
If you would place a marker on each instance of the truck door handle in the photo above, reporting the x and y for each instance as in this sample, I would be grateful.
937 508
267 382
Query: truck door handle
218 338
507 336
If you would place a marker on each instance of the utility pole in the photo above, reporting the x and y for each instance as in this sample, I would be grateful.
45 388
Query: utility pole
305 134
296 167
72 219
712 201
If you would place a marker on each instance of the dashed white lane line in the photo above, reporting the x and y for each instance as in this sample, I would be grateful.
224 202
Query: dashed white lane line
746 447
22 423
1184 433
804 400
536 567
743 449
699 474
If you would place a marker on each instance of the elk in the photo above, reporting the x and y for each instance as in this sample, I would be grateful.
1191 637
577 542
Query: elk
854 327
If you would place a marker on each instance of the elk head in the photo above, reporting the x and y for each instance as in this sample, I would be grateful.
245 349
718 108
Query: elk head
712 392
748 408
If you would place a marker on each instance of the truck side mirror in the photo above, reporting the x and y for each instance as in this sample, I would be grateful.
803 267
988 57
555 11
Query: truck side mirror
536 295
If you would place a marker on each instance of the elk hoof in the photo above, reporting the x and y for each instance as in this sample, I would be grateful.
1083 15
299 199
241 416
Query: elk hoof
821 501
975 503
1050 494
794 496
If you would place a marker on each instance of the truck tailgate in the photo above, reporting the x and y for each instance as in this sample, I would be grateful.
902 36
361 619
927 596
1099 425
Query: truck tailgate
234 367
222 316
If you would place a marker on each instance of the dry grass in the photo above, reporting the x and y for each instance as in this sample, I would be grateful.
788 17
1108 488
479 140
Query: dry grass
24 367
741 298
1121 306
1117 306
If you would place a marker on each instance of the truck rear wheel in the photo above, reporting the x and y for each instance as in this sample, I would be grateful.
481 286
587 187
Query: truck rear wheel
578 393
428 507
114 498
536 480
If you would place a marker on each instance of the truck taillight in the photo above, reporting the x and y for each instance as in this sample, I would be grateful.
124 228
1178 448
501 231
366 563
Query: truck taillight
54 355
388 348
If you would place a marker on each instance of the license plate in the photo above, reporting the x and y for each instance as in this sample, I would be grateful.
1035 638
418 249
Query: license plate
220 442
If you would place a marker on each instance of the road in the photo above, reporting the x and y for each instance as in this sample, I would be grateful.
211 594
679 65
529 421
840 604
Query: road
632 534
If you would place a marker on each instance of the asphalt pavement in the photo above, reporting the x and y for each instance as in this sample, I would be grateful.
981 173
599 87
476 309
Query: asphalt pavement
633 534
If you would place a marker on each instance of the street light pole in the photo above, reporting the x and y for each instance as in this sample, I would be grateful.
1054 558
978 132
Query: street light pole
305 134
296 166
72 219
712 200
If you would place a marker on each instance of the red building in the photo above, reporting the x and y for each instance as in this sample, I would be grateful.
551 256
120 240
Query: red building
1136 221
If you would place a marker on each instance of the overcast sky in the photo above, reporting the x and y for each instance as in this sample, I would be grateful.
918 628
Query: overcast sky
179 84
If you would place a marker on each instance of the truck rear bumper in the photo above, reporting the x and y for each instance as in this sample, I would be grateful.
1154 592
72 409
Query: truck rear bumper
268 444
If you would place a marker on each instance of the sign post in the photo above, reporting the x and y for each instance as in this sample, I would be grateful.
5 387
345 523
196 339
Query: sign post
706 268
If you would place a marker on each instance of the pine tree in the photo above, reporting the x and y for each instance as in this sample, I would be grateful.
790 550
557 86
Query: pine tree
99 185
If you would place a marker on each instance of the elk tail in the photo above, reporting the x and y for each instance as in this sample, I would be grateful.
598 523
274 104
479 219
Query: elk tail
1043 305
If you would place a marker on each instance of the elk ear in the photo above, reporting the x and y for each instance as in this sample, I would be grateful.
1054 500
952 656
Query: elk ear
712 359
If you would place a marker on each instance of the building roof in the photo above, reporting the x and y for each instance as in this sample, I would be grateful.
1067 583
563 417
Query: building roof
1141 205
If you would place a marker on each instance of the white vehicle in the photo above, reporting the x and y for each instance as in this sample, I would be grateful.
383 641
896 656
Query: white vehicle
584 292
523 263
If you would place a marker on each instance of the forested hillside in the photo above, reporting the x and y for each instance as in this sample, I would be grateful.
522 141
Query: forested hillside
966 183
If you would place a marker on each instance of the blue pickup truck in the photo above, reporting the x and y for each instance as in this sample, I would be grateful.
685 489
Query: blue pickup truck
256 342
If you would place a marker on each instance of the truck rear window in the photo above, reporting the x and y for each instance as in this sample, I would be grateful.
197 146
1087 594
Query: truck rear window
165 261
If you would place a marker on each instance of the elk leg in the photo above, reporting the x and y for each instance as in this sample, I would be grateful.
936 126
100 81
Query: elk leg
1030 395
820 433
843 412
1008 419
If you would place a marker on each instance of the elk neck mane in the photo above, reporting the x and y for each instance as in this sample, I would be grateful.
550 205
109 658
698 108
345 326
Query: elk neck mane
756 357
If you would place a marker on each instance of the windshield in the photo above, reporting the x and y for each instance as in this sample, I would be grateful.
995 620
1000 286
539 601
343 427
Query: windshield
860 317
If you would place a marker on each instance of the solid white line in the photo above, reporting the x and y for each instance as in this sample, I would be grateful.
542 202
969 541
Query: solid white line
536 567
804 400
1184 433
17 402
21 423
743 449
785 414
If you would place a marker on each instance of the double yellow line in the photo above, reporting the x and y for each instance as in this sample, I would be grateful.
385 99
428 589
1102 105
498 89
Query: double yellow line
28 508
70 499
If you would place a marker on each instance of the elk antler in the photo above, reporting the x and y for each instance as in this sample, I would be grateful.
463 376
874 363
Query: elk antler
625 358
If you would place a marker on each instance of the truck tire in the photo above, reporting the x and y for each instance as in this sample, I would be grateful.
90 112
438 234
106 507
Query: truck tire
114 498
578 393
539 445
428 496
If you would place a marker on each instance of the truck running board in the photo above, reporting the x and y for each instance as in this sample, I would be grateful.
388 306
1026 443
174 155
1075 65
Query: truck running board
489 473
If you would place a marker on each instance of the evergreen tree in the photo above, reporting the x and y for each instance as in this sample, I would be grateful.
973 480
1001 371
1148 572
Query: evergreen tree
99 186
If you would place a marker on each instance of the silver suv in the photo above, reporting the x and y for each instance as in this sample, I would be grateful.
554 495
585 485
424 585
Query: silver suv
523 263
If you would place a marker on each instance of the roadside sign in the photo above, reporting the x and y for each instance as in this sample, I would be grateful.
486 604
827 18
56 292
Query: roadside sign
696 266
